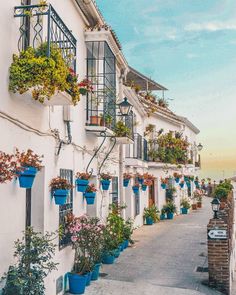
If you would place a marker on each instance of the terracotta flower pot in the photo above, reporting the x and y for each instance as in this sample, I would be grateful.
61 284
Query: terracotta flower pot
199 204
194 206
95 120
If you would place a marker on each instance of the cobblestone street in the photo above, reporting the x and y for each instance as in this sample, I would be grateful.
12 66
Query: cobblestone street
164 259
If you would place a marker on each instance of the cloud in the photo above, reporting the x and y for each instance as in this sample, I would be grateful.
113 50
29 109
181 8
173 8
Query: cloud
210 26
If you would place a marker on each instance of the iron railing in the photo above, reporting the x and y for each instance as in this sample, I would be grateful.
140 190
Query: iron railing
139 149
41 24
145 150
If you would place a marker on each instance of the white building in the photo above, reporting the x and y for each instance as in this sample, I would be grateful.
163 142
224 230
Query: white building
64 133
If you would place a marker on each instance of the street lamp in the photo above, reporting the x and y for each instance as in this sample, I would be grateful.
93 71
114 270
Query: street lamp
125 107
215 204
200 147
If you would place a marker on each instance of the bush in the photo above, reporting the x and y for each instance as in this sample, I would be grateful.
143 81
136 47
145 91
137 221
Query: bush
151 212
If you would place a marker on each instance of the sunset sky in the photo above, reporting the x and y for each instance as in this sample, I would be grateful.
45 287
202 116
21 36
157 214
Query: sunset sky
189 46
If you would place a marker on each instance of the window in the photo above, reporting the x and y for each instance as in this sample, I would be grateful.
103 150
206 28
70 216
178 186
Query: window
67 208
136 201
114 187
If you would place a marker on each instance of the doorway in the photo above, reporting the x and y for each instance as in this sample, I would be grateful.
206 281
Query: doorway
151 194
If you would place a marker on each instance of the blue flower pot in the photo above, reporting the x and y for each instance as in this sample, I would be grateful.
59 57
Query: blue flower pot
89 276
90 197
126 244
81 185
121 247
126 182
116 252
184 210
77 283
196 182
181 185
149 221
188 184
95 272
60 196
177 179
108 259
27 176
135 189
105 184
144 187
140 180
186 179
170 215
162 216
163 185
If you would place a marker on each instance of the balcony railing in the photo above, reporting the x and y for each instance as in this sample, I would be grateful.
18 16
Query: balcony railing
138 150
41 24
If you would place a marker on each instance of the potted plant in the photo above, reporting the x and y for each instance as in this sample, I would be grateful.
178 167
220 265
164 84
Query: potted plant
171 192
106 120
106 181
222 191
34 261
170 209
146 183
163 213
196 181
140 178
151 215
85 86
127 232
199 202
135 188
82 181
30 163
182 184
8 167
177 177
126 179
60 189
95 120
164 182
185 204
90 194
191 178
121 130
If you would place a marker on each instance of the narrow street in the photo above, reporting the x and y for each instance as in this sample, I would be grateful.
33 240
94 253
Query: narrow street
163 261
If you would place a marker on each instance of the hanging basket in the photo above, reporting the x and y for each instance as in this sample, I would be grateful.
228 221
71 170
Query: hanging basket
27 176
177 179
144 187
135 189
90 197
105 184
126 182
163 185
140 180
181 185
60 196
81 184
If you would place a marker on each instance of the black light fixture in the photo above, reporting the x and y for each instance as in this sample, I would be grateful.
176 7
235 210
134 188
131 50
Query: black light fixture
200 147
125 107
215 204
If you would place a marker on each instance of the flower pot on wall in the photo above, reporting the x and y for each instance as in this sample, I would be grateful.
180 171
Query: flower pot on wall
95 120
105 184
149 221
177 179
184 210
83 91
81 184
181 185
135 189
144 187
90 197
140 180
163 185
77 283
60 196
27 176
126 182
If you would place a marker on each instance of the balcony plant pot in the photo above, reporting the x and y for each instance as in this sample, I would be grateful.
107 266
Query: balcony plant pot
117 252
89 276
144 187
95 272
95 120
105 184
163 185
83 91
135 189
170 215
149 220
81 184
126 182
60 196
194 206
90 197
27 176
126 244
181 185
140 180
184 210
162 217
77 283
108 259
177 179
199 204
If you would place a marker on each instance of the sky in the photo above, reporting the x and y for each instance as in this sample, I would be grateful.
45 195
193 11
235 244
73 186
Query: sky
189 46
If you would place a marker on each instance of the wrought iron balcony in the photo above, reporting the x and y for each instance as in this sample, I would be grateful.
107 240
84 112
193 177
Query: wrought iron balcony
139 149
40 24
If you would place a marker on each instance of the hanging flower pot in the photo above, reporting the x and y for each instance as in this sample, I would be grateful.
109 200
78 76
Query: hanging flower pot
144 187
83 91
126 182
186 178
90 197
188 184
60 189
135 188
77 283
177 179
181 184
27 176
95 272
140 180
82 181
163 185
105 184
196 182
